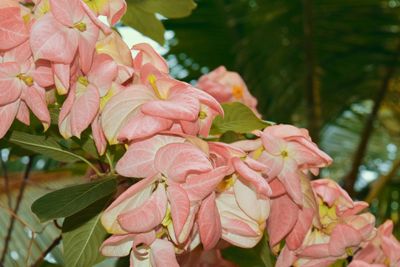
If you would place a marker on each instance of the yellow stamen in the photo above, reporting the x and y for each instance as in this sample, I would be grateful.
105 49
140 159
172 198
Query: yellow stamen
257 153
83 80
202 115
284 154
168 218
28 80
237 91
153 79
80 26
226 183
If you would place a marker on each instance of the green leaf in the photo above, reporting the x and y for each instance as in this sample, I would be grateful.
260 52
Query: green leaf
169 9
238 118
44 145
141 15
145 22
83 235
70 200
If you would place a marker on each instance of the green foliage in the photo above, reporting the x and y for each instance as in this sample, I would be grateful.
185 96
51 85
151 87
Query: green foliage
70 200
238 118
141 15
44 145
83 234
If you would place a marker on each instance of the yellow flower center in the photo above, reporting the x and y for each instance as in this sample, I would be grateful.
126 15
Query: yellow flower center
237 91
80 26
328 216
83 80
202 115
284 154
28 80
226 183
152 80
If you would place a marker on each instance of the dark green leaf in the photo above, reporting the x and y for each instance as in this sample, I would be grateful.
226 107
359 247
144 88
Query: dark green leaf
169 9
145 22
83 235
238 118
70 200
48 146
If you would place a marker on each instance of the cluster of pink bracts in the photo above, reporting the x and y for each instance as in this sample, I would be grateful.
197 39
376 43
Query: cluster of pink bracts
192 192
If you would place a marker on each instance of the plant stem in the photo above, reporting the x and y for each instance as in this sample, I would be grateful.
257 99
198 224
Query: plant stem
17 205
378 185
6 181
110 162
53 244
351 177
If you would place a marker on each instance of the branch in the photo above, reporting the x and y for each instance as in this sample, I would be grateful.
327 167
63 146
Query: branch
47 251
6 181
312 90
359 155
19 199
382 181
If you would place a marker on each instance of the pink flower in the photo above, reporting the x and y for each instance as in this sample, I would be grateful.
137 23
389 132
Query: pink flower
13 30
66 29
112 9
19 90
382 250
227 86
83 102
287 151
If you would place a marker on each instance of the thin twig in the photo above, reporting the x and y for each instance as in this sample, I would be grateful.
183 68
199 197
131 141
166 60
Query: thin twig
6 181
359 155
25 224
17 205
55 243
382 181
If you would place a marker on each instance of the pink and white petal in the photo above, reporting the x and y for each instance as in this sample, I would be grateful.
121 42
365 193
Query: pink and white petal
316 251
277 188
206 99
121 108
7 116
23 114
342 237
18 54
13 30
138 160
98 136
35 98
180 207
84 110
43 73
143 238
252 178
256 208
147 216
280 223
290 178
178 106
116 11
296 237
162 253
117 245
141 126
10 85
132 198
50 40
286 258
87 44
199 186
67 12
209 222
62 73
178 160
104 70
147 54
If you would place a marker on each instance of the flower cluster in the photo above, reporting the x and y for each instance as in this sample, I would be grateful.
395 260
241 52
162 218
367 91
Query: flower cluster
191 196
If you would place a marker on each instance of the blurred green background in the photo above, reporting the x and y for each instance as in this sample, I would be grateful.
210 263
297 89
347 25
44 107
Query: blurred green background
331 66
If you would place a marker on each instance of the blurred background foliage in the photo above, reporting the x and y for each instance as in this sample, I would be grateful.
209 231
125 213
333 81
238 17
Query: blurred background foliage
328 65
